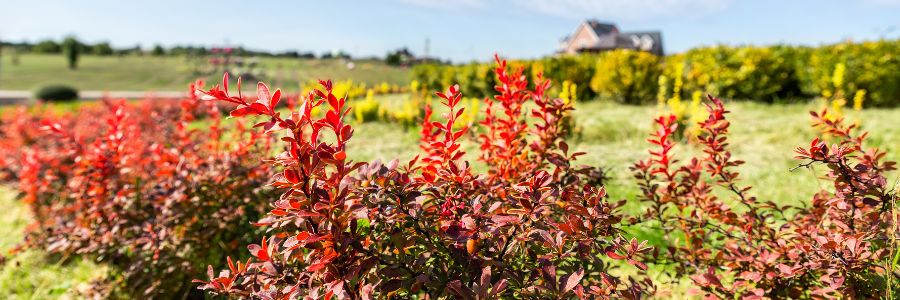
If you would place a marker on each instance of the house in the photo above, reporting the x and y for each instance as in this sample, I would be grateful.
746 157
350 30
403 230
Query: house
594 36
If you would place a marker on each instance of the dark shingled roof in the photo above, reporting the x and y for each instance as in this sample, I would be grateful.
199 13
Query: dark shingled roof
609 37
650 41
602 29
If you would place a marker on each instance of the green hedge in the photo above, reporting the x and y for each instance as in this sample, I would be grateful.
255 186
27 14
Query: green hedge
870 66
766 74
627 76
53 93
761 74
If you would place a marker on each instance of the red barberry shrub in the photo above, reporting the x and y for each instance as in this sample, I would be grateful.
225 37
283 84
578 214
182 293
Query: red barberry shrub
532 226
733 244
135 187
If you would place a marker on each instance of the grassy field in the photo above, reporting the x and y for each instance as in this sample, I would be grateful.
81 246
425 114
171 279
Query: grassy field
612 135
31 274
150 73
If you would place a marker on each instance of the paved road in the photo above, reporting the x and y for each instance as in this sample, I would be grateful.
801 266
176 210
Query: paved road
12 97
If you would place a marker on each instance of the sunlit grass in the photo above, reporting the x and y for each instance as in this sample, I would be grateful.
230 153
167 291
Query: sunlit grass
32 274
174 73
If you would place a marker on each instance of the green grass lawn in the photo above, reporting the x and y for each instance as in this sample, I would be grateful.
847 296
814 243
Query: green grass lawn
32 274
613 136
150 73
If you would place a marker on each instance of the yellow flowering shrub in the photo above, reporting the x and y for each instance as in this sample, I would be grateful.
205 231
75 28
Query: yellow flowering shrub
627 76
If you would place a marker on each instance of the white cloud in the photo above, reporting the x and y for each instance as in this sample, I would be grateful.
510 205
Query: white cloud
447 3
626 9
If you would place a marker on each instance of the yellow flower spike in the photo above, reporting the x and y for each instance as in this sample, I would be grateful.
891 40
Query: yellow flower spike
858 99
662 94
837 109
679 81
573 92
838 77
696 98
414 86
568 92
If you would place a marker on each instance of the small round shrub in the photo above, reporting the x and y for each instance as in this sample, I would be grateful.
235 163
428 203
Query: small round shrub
56 93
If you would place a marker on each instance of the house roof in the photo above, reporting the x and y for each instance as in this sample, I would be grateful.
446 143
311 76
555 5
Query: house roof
608 37
650 41
601 29
605 34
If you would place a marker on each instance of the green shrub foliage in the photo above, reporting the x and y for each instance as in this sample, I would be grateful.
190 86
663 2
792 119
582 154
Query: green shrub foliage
56 93
627 76
766 74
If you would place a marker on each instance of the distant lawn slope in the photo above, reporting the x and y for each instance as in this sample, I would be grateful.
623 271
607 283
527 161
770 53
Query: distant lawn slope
151 73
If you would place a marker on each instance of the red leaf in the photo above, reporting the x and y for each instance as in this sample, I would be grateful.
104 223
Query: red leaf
573 280
291 176
258 252
262 92
242 111
260 108
275 99
340 155
612 254
225 82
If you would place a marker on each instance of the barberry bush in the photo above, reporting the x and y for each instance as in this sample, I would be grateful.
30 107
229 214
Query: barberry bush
732 244
533 225
134 187
137 187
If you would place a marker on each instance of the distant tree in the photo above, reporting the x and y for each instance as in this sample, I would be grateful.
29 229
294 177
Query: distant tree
103 49
188 50
200 51
335 54
158 50
136 50
398 57
15 56
179 50
72 49
308 55
46 46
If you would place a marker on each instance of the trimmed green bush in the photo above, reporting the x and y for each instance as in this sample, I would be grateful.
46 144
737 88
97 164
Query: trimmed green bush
56 93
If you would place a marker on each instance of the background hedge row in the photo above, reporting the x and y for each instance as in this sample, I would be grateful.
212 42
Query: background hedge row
766 74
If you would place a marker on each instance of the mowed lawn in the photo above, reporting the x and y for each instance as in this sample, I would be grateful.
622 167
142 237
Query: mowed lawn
614 137
32 274
174 73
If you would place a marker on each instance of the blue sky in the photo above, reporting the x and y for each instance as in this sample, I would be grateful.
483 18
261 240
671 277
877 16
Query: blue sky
461 30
